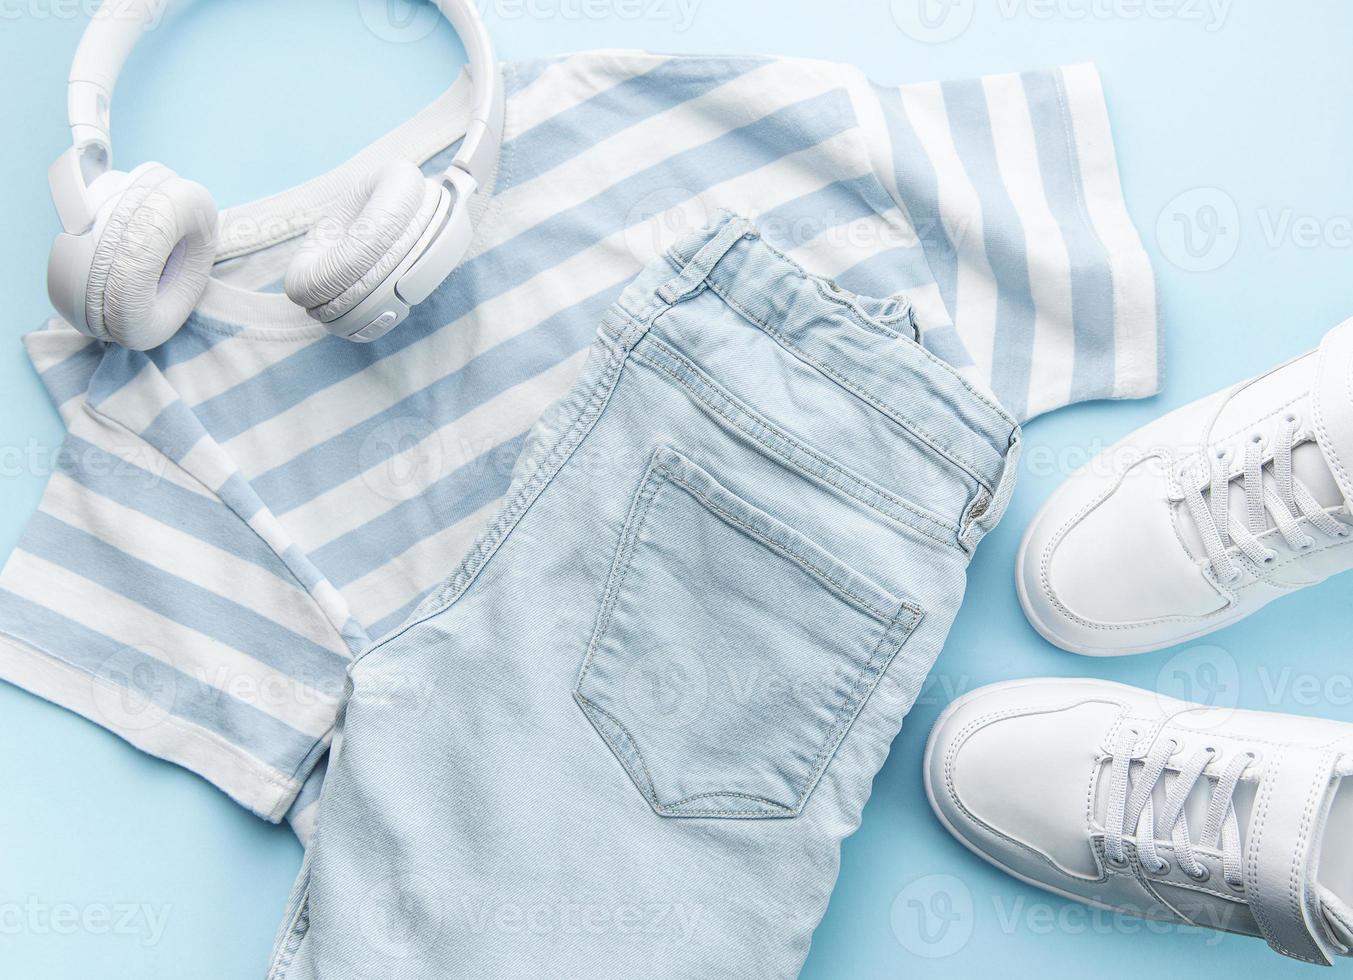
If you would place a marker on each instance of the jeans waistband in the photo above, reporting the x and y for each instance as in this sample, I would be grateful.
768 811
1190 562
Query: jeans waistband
864 344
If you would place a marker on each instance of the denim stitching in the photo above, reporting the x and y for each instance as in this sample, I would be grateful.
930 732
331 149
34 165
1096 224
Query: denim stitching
842 300
650 793
872 324
951 455
864 396
631 746
648 789
848 483
724 795
835 475
783 551
921 348
295 935
867 680
864 686
898 629
513 509
620 567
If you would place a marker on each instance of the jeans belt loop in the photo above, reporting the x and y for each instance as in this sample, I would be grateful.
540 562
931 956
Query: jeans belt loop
692 275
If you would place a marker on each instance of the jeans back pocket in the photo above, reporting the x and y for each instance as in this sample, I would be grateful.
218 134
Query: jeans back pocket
731 654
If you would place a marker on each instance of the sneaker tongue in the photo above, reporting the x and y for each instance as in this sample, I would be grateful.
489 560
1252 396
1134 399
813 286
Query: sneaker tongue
1332 404
1312 467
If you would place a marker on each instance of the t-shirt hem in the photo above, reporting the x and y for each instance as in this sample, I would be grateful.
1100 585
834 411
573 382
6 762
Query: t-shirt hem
263 790
1137 336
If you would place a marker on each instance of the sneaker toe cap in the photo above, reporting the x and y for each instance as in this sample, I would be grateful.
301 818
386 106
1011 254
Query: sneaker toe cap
1011 769
1103 568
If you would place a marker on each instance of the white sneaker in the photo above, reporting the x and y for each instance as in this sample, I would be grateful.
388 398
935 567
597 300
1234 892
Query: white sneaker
1138 803
1201 517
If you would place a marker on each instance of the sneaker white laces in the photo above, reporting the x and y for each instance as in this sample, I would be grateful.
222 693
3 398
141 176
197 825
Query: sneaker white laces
1282 495
1135 815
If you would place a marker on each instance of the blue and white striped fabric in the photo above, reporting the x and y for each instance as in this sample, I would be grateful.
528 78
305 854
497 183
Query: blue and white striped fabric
239 511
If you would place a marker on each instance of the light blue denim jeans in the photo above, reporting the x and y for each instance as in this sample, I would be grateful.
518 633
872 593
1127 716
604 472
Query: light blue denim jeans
627 736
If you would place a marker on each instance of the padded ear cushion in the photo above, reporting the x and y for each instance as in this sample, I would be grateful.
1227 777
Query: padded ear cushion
350 251
152 261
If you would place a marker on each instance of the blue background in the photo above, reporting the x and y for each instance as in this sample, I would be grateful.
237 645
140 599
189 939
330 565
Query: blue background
1243 104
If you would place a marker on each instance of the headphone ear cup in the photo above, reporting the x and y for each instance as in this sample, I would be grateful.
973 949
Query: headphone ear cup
351 250
155 250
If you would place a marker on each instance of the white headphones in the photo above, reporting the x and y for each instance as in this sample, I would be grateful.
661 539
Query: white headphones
138 247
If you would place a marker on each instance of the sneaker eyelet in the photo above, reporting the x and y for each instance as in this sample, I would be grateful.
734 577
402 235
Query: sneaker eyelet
1161 869
1116 864
1291 418
1257 438
1203 874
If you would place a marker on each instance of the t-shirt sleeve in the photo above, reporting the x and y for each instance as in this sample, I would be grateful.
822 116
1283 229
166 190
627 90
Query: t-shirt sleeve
1037 283
151 604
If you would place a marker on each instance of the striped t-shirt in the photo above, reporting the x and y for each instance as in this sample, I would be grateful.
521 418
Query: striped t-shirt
239 511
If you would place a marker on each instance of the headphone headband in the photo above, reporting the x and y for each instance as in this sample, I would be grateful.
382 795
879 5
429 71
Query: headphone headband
118 227
117 25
